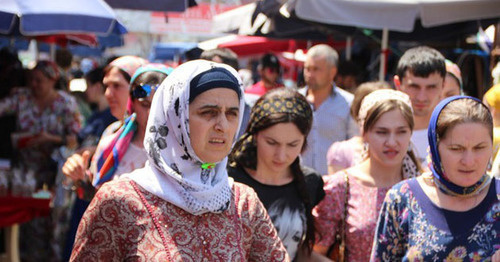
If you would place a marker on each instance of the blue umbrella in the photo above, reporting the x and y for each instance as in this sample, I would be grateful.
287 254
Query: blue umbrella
170 51
35 17
153 5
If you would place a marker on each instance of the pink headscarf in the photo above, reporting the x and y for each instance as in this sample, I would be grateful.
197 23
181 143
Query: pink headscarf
128 63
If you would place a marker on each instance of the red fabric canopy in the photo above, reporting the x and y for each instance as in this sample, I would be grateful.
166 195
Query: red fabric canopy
65 39
252 45
17 210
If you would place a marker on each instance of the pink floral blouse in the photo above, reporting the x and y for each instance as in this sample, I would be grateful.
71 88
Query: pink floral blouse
118 226
363 208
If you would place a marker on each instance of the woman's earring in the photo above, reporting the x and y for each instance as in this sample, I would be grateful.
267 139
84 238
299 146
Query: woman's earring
410 147
490 165
366 147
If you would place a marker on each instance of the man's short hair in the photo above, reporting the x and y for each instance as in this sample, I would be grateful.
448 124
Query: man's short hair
325 51
269 61
421 61
63 58
227 56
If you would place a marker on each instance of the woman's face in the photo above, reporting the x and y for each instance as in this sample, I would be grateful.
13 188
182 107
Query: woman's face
389 138
465 151
213 122
277 147
40 84
117 92
451 87
141 109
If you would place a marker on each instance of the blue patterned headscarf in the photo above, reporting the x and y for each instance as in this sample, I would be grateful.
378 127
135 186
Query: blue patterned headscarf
442 182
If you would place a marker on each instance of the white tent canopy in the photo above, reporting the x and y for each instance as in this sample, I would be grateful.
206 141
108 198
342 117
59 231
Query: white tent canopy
232 20
394 15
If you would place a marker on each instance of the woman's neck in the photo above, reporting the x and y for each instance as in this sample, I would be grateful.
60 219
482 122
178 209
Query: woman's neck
378 175
268 177
442 200
138 139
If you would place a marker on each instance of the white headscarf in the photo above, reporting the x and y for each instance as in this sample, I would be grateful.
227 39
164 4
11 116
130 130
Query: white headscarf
173 170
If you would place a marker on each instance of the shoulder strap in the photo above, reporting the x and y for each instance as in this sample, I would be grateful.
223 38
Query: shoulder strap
344 223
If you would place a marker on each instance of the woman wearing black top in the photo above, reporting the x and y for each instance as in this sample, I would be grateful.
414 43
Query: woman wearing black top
267 158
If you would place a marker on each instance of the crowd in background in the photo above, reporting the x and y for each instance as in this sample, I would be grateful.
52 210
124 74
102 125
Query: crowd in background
198 162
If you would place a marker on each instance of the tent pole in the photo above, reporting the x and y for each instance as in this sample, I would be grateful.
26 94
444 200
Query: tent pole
348 48
53 52
37 50
383 54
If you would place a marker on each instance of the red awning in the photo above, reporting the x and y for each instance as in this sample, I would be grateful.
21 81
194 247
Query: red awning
254 45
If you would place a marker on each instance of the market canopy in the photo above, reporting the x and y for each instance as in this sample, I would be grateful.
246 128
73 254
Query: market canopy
34 18
244 45
394 15
153 5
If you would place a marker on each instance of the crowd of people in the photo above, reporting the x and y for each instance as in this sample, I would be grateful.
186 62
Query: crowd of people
193 164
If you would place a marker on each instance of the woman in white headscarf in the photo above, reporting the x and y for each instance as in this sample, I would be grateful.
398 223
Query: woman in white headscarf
182 206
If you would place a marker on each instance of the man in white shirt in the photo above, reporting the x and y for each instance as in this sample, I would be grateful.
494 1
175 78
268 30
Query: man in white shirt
332 120
420 74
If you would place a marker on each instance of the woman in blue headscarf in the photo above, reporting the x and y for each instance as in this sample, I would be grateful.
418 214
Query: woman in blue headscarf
452 212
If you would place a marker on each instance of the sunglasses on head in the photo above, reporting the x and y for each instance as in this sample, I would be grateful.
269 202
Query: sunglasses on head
143 90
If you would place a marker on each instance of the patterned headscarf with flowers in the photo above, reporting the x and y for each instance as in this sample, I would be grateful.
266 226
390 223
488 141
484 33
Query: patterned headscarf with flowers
245 152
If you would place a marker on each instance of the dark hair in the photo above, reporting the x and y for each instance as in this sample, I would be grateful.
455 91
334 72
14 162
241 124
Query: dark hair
463 111
249 157
269 61
95 75
363 90
64 58
227 56
421 61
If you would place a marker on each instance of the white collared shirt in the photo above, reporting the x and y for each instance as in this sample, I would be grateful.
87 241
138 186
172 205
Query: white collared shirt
332 122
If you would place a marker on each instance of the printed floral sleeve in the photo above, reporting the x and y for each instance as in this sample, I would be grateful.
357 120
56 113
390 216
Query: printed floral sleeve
258 230
390 239
72 118
100 235
328 213
8 105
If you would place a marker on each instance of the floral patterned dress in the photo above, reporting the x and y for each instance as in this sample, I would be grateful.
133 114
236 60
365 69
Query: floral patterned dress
124 222
37 240
412 228
61 118
363 207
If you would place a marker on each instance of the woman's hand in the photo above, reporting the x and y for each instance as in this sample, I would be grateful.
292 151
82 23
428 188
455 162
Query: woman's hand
44 138
76 165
